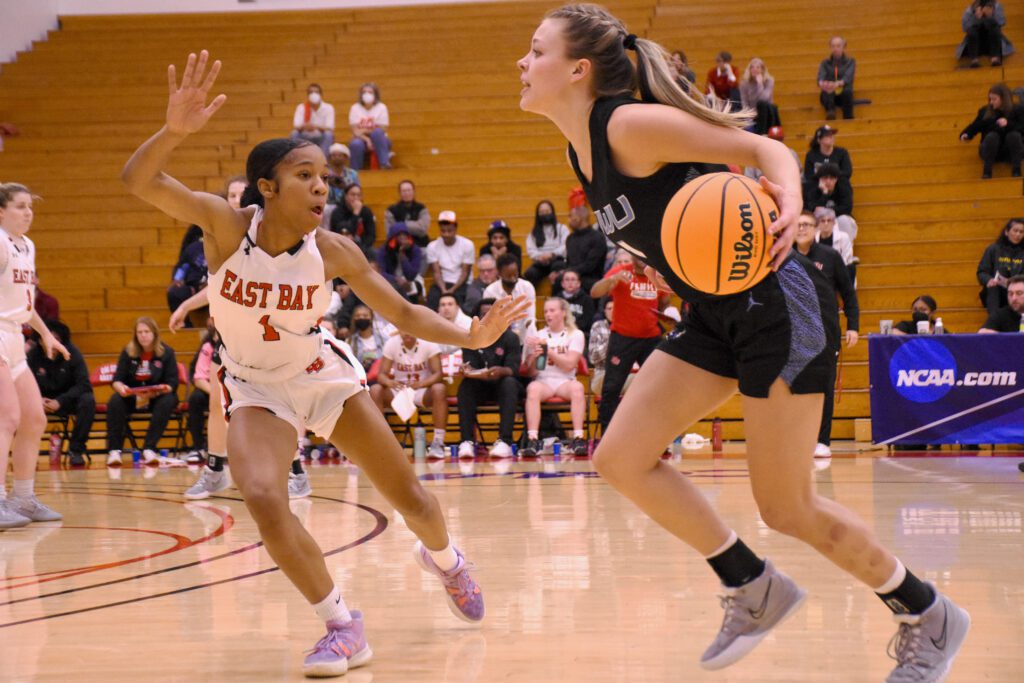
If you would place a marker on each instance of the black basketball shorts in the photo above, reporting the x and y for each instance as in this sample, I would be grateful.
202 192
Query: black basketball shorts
775 329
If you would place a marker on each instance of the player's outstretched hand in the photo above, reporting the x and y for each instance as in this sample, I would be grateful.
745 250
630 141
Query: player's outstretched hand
485 332
784 228
187 110
52 347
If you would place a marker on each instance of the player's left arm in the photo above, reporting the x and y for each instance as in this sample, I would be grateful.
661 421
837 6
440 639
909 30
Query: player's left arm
644 137
342 258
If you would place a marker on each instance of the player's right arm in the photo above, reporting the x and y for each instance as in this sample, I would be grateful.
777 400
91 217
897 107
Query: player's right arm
144 175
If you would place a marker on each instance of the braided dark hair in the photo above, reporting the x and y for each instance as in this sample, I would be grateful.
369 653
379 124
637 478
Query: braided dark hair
262 163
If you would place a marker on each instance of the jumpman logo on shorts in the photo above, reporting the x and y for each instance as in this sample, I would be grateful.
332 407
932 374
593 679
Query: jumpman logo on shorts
751 303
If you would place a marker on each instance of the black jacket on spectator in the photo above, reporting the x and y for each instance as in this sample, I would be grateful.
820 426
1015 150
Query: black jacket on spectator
193 234
62 380
582 306
1003 257
1004 320
343 318
985 122
164 369
513 249
842 70
840 200
504 353
830 263
814 160
403 212
585 252
191 266
363 225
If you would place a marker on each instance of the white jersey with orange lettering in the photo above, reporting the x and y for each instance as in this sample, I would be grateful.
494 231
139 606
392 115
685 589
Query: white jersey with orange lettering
267 308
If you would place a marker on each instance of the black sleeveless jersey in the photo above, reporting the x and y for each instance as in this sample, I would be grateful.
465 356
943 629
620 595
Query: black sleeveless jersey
629 210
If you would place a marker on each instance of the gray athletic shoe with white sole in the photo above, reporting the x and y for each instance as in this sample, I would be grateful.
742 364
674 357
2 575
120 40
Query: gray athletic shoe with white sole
209 483
298 485
29 506
926 644
751 611
10 518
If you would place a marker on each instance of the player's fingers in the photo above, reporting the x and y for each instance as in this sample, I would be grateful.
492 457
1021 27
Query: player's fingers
172 79
211 77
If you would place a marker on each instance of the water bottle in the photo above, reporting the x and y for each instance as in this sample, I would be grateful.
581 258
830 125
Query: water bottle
542 359
419 443
556 450
136 457
716 434
676 449
55 444
939 329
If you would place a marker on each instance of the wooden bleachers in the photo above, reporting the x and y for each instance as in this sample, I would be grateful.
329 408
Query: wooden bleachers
91 92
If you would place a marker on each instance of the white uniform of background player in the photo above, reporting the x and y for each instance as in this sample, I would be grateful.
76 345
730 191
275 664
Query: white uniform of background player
410 366
561 342
17 296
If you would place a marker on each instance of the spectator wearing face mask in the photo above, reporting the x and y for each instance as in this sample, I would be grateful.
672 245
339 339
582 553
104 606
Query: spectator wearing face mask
369 120
581 304
486 274
409 211
1001 126
499 243
983 23
545 245
1002 260
366 338
451 258
314 119
923 309
835 80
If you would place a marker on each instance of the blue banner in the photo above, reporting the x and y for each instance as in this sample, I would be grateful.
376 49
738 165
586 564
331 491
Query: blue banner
951 388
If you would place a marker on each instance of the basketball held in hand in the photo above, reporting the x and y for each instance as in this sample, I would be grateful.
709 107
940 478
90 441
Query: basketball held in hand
714 233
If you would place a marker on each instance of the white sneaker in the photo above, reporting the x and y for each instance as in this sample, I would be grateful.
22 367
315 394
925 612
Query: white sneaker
500 449
435 451
114 459
467 449
150 457
822 451
195 457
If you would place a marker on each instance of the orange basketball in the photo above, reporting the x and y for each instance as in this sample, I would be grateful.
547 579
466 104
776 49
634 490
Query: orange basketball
715 233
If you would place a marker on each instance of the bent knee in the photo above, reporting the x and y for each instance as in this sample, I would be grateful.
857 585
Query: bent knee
790 518
418 504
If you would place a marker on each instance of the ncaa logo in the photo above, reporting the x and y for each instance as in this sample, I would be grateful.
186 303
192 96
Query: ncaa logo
922 370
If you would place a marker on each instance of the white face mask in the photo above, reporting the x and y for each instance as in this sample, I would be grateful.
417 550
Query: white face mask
314 98
367 98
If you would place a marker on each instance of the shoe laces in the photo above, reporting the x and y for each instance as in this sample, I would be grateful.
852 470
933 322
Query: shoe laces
334 641
903 647
732 611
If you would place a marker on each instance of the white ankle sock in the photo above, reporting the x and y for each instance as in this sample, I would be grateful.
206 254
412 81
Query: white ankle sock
23 488
725 546
577 433
446 558
332 608
531 434
894 581
439 436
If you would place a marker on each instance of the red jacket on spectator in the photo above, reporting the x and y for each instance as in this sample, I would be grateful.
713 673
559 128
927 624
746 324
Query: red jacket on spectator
721 83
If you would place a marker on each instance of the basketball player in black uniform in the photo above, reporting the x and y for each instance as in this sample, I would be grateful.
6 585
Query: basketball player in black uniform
770 341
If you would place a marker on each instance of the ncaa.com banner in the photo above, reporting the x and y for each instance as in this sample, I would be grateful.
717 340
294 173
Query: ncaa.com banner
952 388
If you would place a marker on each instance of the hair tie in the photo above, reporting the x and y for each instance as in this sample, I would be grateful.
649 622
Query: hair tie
629 42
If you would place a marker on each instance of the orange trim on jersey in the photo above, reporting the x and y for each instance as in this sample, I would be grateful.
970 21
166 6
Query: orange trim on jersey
227 394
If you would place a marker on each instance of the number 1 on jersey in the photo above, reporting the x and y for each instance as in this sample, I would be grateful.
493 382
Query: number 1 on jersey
269 333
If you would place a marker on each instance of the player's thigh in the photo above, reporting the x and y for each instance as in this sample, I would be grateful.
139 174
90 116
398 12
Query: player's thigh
261 447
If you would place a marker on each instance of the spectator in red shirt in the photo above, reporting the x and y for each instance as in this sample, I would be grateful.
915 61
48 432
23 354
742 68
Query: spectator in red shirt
722 80
635 331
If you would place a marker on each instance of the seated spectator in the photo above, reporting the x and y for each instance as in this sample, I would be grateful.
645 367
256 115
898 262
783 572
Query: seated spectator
339 174
409 211
831 193
416 364
489 374
545 245
1001 126
146 376
486 274
1002 259
367 337
835 80
597 346
774 133
722 83
355 217
199 399
314 120
635 331
580 303
451 258
1008 318
585 250
499 243
923 309
837 239
369 121
65 387
510 284
983 23
756 92
189 276
451 356
400 262
823 150
551 359
682 71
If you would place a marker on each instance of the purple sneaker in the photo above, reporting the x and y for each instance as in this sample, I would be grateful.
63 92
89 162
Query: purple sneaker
343 648
464 597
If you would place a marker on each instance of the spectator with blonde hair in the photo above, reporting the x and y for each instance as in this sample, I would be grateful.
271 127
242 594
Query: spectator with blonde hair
756 92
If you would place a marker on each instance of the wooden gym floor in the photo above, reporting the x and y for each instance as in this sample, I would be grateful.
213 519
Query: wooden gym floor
137 584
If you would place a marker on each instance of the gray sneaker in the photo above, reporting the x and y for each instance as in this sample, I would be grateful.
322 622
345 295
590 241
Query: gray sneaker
298 485
926 644
751 611
29 506
10 518
209 483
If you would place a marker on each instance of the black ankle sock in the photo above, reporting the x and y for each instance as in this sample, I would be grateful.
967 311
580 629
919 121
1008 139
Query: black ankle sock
297 466
913 596
737 565
216 462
